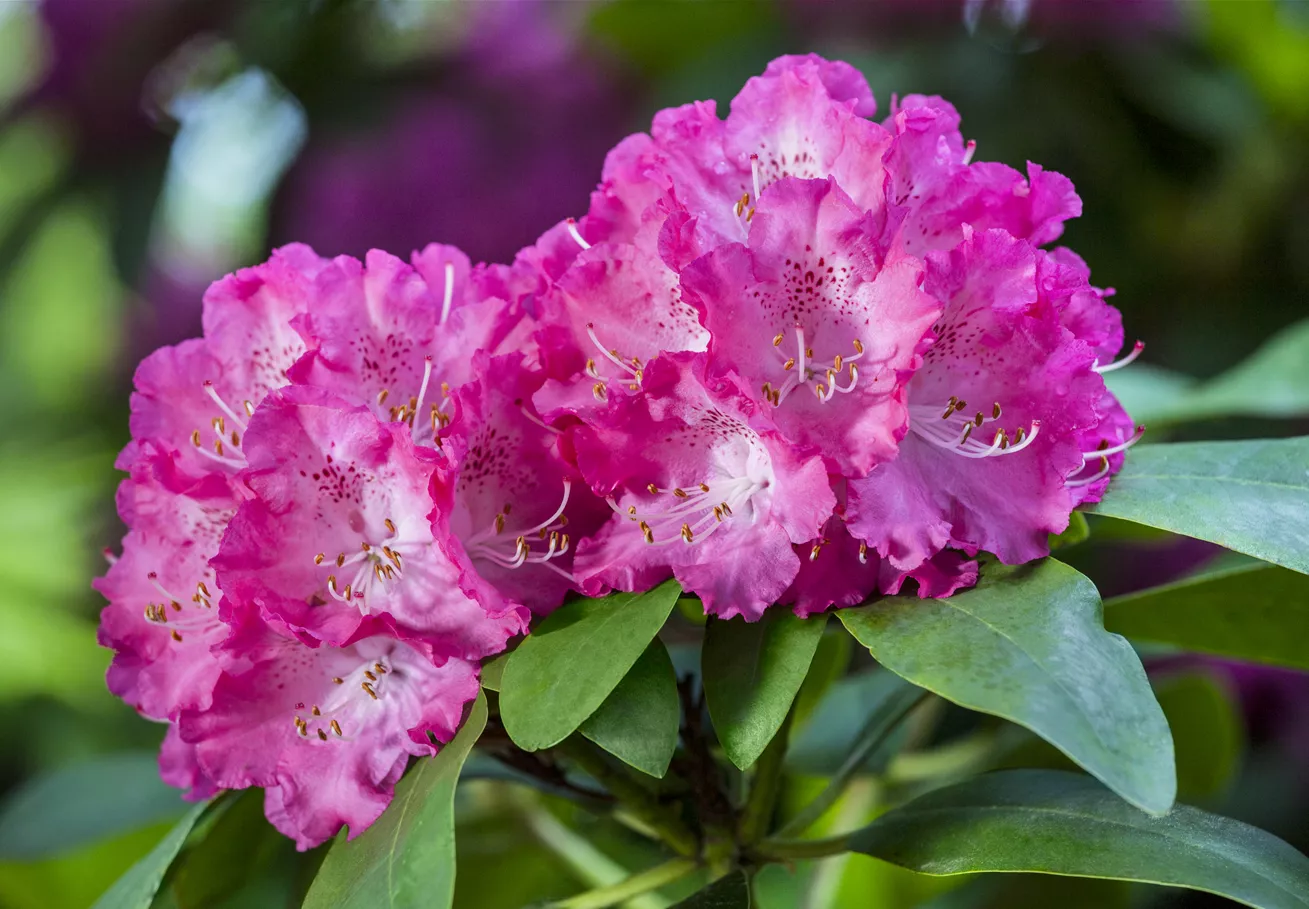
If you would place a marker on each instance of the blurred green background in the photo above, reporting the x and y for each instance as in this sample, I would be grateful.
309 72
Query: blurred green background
149 146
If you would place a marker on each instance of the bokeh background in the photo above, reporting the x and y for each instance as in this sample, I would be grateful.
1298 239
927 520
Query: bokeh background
149 146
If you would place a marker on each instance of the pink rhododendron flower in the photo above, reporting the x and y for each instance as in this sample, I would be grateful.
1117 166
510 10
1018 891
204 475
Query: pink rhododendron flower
398 337
793 359
194 400
939 188
698 493
618 305
163 614
337 539
327 731
997 410
824 323
514 503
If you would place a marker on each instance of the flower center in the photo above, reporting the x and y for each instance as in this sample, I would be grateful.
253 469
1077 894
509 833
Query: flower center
196 616
803 368
377 569
438 417
344 711
630 374
969 437
513 548
691 516
225 448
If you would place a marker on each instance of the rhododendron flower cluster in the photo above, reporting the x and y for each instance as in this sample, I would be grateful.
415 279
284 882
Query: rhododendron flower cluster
793 358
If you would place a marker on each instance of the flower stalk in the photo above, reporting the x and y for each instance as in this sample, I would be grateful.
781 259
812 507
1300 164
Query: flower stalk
636 885
634 797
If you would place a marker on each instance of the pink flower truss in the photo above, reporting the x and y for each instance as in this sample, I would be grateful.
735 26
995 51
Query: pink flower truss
794 358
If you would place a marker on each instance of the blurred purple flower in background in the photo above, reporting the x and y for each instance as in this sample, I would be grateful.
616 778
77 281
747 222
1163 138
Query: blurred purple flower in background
487 157
102 55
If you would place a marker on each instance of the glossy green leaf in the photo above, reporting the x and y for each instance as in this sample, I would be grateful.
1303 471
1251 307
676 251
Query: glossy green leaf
1027 644
82 803
752 672
1250 496
729 892
1207 736
562 672
406 860
493 672
137 888
638 722
1051 822
1258 613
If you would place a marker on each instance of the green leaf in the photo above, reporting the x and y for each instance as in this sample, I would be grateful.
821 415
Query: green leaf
1250 496
72 806
493 672
1207 736
406 860
1027 644
562 672
752 671
638 722
1258 613
1207 732
1051 822
730 892
137 888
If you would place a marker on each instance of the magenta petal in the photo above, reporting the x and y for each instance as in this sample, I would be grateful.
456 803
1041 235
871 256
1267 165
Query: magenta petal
178 767
163 618
698 492
337 541
1005 366
328 730
820 324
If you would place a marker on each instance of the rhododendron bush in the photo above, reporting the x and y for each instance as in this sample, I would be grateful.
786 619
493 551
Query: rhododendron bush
802 370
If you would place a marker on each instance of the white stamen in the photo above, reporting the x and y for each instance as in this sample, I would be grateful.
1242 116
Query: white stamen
1121 446
422 388
968 151
533 418
966 439
754 175
576 234
1119 364
489 542
231 414
1086 481
449 291
609 355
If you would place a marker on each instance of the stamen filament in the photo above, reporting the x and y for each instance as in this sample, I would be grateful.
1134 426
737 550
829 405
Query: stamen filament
1119 364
